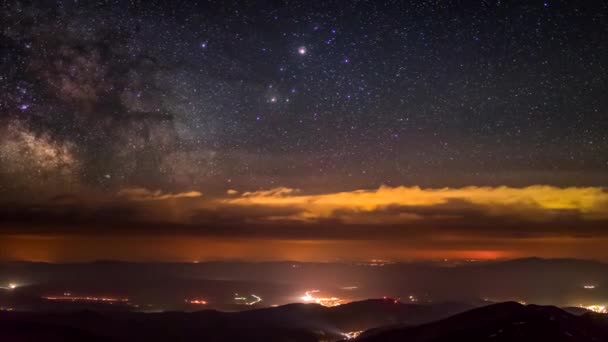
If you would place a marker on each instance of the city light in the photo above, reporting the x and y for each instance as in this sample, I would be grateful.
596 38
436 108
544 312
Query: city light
349 288
352 334
10 286
196 301
87 299
254 299
589 287
325 301
596 308
376 263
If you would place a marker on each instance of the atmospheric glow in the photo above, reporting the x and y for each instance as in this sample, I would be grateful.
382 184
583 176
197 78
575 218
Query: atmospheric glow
536 206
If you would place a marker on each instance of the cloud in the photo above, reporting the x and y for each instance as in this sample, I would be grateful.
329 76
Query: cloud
143 194
280 192
534 203
387 213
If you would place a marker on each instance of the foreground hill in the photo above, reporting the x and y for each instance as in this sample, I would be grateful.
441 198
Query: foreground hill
293 322
502 322
383 320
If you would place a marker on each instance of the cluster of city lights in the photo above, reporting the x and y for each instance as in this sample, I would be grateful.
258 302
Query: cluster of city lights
391 299
349 288
196 301
69 297
241 300
352 334
596 308
376 263
10 286
325 301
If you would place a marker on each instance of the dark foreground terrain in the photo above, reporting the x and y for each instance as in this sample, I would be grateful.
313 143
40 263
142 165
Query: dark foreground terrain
293 322
383 320
502 322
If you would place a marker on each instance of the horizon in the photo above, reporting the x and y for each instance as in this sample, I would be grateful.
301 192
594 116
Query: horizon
360 262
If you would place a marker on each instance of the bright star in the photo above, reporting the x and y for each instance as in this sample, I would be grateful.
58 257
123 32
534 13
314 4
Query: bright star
302 50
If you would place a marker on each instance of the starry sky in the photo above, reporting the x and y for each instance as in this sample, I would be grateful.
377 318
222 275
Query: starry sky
307 126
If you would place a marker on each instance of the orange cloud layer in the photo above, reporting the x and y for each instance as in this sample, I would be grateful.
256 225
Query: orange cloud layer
536 202
389 213
143 194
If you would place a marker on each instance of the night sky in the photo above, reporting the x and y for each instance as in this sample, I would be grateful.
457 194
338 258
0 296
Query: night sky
474 128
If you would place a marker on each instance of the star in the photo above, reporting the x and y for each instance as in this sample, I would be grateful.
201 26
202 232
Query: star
302 50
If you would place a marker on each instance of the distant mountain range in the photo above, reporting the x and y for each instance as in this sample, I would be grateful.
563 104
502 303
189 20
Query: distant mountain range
166 286
441 301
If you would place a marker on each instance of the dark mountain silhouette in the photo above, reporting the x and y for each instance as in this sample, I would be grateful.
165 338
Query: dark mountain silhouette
293 322
384 320
508 321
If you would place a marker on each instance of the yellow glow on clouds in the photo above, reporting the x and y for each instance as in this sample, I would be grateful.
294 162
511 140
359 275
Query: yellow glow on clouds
534 202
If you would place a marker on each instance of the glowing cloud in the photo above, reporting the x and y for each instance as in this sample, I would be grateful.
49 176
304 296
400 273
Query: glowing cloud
143 194
536 202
